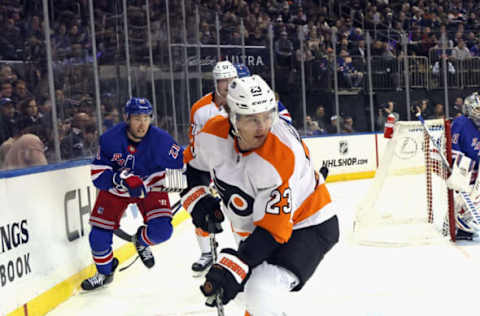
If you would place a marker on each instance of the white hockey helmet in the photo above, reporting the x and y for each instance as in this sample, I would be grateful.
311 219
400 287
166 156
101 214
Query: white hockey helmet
223 70
471 108
250 95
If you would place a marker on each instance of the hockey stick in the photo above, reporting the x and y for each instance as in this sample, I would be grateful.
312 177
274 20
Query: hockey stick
464 195
217 298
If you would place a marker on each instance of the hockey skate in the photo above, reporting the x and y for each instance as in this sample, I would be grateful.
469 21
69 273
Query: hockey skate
144 252
99 280
200 267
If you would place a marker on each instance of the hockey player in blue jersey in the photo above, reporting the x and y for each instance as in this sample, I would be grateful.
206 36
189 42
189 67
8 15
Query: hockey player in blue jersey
465 152
243 71
136 163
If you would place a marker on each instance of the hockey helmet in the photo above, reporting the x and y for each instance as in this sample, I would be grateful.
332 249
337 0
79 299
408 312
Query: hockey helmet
138 106
242 70
223 70
250 95
471 108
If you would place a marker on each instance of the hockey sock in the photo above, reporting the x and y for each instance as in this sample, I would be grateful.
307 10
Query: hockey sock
102 252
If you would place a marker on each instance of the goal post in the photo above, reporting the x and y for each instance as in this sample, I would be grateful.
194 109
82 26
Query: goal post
408 202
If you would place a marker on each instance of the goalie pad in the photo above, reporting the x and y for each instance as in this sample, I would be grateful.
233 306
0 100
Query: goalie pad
459 180
464 218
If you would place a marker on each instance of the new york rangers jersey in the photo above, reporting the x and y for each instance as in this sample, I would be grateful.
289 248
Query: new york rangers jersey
274 187
147 159
466 138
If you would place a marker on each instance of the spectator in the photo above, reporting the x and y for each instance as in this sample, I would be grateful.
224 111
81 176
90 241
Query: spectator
45 113
359 50
25 151
7 74
256 38
73 144
423 108
458 107
90 139
321 119
65 107
34 45
206 36
7 119
20 92
111 119
61 41
332 128
307 56
6 90
314 44
347 72
385 110
438 112
461 52
284 50
311 127
437 72
12 40
348 125
75 36
29 115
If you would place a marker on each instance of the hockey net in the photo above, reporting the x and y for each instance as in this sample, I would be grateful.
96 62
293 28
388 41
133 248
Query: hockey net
409 202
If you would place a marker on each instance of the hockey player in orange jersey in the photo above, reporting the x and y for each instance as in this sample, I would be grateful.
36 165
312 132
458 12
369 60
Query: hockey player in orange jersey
279 208
205 108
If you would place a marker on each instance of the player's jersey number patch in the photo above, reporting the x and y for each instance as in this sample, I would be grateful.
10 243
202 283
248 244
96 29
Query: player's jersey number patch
280 202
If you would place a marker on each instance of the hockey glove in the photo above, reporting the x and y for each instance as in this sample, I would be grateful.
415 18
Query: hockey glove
227 277
131 183
204 209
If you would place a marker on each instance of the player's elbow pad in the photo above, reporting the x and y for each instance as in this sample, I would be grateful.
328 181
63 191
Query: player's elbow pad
104 181
257 247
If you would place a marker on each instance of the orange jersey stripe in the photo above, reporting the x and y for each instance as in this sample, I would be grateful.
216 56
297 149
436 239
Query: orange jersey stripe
316 201
218 125
278 155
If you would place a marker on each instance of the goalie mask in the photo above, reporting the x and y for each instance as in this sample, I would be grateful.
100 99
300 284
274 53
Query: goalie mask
250 95
471 108
223 70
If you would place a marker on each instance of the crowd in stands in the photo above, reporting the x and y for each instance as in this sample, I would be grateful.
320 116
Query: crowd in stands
25 106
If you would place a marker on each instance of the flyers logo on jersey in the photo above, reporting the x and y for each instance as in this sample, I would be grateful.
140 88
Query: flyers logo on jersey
234 198
174 150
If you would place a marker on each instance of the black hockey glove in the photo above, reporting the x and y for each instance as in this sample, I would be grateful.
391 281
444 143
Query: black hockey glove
207 215
204 208
227 277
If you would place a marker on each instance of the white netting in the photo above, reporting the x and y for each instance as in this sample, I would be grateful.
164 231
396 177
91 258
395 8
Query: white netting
408 201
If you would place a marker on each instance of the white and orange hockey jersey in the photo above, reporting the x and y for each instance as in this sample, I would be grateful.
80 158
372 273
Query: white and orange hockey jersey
274 187
202 110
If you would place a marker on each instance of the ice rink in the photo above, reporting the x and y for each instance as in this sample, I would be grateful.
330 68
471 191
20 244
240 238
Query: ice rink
351 281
